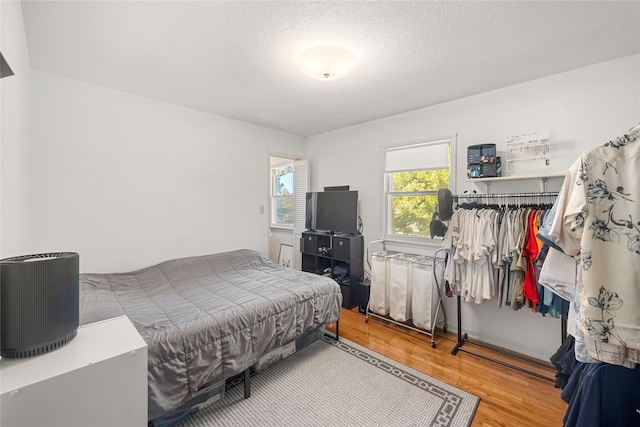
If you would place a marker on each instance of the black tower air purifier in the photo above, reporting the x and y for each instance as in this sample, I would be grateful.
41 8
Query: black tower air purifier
39 303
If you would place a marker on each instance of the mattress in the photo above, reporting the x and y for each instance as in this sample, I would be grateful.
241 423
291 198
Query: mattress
208 318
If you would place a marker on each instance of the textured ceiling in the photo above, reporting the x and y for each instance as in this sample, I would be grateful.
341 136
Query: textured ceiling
236 58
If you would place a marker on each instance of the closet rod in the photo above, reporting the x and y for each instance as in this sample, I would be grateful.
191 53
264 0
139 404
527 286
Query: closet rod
458 197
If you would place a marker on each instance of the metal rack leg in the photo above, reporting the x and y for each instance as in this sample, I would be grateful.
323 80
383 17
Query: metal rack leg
434 320
404 325
366 314
508 365
440 304
440 289
462 338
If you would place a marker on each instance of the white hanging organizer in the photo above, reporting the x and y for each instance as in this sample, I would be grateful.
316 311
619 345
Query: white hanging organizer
406 289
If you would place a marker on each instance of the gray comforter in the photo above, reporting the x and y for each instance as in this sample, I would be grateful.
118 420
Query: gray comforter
208 318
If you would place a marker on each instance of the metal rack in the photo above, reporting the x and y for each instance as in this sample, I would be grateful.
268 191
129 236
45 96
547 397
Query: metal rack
524 199
521 198
431 333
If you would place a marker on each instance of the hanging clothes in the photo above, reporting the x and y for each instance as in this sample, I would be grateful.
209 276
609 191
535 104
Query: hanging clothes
598 222
605 395
471 244
492 253
530 250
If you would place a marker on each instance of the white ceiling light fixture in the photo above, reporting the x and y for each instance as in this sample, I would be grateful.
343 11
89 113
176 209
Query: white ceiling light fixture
326 62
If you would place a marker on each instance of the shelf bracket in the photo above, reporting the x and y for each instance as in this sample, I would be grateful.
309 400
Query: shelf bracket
543 183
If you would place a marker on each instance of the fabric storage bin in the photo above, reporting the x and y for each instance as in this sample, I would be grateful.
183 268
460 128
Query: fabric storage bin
379 291
424 302
400 287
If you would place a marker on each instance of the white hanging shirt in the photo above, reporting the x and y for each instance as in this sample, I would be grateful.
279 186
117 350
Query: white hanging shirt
600 220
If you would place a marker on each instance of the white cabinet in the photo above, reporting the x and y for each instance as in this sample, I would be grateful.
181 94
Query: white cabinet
97 379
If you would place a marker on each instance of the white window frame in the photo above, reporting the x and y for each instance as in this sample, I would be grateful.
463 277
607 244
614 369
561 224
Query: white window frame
275 197
387 186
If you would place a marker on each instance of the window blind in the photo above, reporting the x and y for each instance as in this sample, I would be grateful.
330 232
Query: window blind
427 156
301 186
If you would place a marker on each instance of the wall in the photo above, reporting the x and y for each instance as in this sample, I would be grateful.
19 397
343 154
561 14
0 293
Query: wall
128 181
581 109
14 137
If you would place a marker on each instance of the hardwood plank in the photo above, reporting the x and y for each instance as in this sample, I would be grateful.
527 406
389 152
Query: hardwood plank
508 397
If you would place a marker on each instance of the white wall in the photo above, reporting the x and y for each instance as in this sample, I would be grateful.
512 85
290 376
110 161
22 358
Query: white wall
14 137
128 181
581 109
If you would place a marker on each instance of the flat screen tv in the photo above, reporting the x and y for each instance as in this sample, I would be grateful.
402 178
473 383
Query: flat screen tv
336 211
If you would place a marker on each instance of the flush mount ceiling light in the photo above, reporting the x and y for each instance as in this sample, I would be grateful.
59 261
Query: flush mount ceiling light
326 62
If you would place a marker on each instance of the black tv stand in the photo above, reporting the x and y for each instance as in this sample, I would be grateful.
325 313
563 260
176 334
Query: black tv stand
341 253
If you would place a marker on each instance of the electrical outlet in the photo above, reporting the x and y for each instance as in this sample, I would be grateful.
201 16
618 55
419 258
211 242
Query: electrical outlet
261 210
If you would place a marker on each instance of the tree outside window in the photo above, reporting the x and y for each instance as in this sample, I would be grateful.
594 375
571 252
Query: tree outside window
413 175
282 197
413 200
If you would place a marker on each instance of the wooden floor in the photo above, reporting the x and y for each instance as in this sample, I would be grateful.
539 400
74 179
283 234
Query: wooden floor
508 397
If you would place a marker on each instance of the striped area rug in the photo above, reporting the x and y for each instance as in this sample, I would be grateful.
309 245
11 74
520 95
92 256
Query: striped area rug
331 383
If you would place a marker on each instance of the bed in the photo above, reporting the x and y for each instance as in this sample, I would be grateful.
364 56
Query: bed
210 318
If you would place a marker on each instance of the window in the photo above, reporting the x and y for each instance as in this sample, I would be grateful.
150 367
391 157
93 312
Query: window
282 195
413 173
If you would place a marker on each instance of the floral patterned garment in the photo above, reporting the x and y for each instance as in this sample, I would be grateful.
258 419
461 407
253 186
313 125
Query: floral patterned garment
602 216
